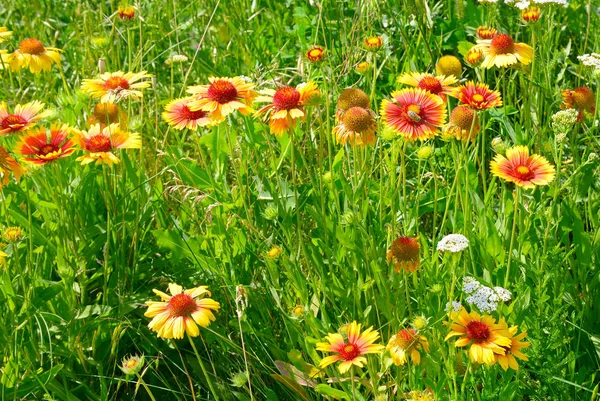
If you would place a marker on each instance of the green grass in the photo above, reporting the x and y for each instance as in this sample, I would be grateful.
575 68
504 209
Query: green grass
205 207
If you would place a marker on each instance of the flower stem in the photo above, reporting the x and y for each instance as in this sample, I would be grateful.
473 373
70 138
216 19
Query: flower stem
208 380
143 383
512 235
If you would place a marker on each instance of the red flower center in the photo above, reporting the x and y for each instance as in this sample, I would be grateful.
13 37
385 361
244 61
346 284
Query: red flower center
349 352
286 98
116 82
222 91
315 54
31 46
524 173
99 143
188 114
502 44
46 149
478 332
182 305
431 84
357 119
13 122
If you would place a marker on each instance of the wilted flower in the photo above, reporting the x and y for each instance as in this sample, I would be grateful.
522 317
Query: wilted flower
357 127
453 243
106 114
463 125
405 343
12 234
8 165
351 97
404 253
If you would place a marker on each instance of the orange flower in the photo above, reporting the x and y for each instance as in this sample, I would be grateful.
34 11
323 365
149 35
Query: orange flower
8 165
531 14
581 99
100 143
178 114
413 113
484 32
514 349
106 114
404 343
315 54
474 55
34 55
222 97
126 13
350 352
115 86
481 332
357 127
522 169
286 106
373 43
438 85
404 253
181 312
478 96
463 125
502 51
23 117
40 146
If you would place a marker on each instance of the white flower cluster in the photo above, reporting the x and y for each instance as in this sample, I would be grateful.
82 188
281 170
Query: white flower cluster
453 306
486 299
564 120
562 3
453 243
523 4
590 60
176 58
520 4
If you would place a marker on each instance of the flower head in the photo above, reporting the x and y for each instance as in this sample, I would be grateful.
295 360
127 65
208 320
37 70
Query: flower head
132 365
99 143
438 85
485 32
404 343
363 67
178 115
481 332
522 169
512 351
463 125
530 14
474 56
414 113
351 97
286 106
350 351
4 33
315 54
126 13
564 120
116 86
176 59
40 146
448 65
23 117
8 165
404 253
357 127
502 51
223 96
373 43
581 99
34 55
274 252
590 60
453 243
478 96
180 312
106 114
12 234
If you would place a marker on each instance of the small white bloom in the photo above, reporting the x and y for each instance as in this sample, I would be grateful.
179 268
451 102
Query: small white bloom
453 243
562 3
590 60
470 285
176 58
504 294
455 306
564 120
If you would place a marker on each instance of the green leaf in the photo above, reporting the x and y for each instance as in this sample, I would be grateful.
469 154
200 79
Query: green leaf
330 391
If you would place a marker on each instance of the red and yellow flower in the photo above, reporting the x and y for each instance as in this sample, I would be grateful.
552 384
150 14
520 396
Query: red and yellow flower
405 343
222 97
286 106
116 86
23 117
481 332
531 14
315 54
463 125
502 51
181 312
581 99
363 67
478 96
404 253
40 146
485 32
8 165
178 115
34 55
106 114
350 351
474 55
414 113
373 43
99 143
438 85
357 127
522 169
126 13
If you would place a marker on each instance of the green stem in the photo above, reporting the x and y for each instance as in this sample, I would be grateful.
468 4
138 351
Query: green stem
512 234
206 376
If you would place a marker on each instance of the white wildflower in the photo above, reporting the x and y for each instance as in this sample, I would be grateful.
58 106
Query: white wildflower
564 120
590 60
504 294
562 3
470 285
453 306
176 58
453 243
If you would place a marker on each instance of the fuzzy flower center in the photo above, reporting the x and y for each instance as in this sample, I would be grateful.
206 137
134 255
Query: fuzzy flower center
99 143
524 173
462 116
349 352
12 120
116 82
286 98
352 97
405 249
315 54
191 114
31 46
222 92
583 98
358 119
431 84
182 305
502 44
106 112
478 332
47 149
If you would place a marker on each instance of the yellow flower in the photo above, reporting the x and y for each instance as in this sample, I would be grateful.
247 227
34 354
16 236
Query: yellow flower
4 33
274 252
448 65
34 55
12 234
100 143
514 349
404 343
181 312
502 51
115 86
